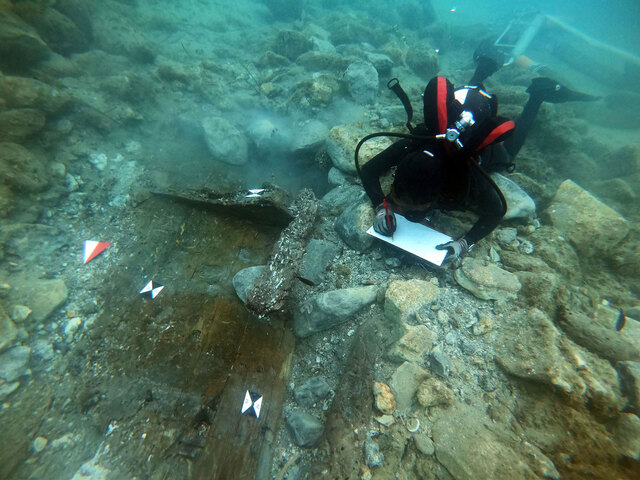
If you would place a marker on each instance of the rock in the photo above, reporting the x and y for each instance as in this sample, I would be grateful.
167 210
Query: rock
271 59
529 348
352 226
20 45
317 92
43 296
8 331
21 92
600 339
291 44
13 363
312 391
412 345
39 444
519 203
18 124
317 258
557 253
286 9
342 141
439 362
382 63
629 373
306 429
593 228
406 297
328 309
20 169
310 136
423 61
245 279
487 282
463 434
362 81
532 348
372 454
626 432
506 237
434 393
404 384
336 178
384 400
424 444
386 420
318 61
540 289
226 143
339 198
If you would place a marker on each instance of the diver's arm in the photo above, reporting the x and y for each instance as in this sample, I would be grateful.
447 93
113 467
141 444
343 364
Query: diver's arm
371 172
488 204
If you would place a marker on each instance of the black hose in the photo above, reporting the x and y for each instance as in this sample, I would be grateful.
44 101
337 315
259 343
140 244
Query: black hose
394 85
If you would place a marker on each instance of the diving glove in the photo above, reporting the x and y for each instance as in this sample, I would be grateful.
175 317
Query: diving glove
456 248
385 221
551 91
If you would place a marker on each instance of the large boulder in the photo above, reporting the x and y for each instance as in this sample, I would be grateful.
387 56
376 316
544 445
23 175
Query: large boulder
20 45
20 169
592 227
362 81
305 429
58 31
18 124
226 143
331 308
21 92
487 282
342 141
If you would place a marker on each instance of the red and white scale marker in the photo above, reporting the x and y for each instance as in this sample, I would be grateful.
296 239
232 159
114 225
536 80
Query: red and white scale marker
92 249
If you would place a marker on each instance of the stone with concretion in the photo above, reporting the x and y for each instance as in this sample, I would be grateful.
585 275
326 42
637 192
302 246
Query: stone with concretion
433 392
22 92
470 450
384 399
22 170
342 141
413 344
18 124
593 228
328 309
404 297
487 282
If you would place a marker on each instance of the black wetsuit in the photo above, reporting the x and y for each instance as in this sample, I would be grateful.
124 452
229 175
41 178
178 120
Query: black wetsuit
469 190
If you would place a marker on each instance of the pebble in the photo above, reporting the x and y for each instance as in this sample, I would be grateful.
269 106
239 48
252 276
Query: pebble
525 247
373 455
99 160
451 338
385 401
4 289
386 420
72 326
482 326
439 362
39 444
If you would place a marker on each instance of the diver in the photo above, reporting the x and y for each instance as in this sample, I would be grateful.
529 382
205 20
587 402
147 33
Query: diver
445 163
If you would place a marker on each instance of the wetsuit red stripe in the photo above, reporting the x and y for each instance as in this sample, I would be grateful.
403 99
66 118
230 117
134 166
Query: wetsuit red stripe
496 133
442 104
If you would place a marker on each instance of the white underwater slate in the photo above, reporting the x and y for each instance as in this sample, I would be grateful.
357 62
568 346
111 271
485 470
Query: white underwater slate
417 239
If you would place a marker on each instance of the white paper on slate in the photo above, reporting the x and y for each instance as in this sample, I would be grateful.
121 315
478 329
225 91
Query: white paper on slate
416 238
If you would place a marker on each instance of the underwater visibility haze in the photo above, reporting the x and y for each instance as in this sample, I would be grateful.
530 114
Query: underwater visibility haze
187 286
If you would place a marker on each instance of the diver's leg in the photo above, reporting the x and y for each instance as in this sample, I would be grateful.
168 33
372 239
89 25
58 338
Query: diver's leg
489 59
514 143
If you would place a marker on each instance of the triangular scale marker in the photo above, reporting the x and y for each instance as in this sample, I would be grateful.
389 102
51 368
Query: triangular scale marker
247 402
154 290
257 406
92 249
